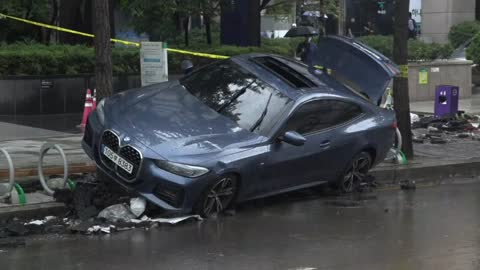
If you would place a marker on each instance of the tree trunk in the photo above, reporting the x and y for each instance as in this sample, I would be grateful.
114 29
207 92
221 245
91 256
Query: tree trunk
400 83
103 49
208 30
240 22
186 22
53 20
76 15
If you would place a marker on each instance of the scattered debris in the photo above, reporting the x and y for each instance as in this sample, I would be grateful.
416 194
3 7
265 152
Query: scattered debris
167 220
408 185
463 135
414 118
418 140
343 203
137 206
434 140
117 212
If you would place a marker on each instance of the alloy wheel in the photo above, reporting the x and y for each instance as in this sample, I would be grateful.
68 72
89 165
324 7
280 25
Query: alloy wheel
219 196
357 172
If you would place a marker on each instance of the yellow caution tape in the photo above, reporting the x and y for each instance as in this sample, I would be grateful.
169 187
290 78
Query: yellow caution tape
329 70
136 44
199 54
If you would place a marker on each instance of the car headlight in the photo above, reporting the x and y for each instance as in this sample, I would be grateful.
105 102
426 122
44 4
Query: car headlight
101 112
181 169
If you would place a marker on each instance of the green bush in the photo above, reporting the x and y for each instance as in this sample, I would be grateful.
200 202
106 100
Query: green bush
462 32
473 51
417 50
39 59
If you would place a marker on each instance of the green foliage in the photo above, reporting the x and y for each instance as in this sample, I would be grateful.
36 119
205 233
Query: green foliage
473 51
160 19
38 59
38 10
462 32
417 50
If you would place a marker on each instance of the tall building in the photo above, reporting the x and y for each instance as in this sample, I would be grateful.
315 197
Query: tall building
434 17
438 16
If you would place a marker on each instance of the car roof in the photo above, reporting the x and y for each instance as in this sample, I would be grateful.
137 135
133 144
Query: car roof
246 61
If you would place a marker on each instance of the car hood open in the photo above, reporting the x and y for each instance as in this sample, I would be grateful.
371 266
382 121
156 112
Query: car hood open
170 121
355 65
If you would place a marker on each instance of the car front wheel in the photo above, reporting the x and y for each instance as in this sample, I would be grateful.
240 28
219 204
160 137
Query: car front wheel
218 196
356 172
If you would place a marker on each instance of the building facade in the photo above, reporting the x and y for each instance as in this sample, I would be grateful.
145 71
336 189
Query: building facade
434 17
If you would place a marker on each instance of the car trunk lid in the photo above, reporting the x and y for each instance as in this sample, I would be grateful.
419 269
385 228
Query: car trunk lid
355 65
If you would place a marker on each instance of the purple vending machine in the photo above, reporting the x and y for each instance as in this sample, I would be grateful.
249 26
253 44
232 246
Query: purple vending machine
446 100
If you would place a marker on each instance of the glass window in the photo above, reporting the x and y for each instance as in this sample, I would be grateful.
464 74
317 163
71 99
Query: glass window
322 114
238 95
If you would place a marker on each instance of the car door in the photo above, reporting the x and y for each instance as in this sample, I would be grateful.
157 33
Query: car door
323 123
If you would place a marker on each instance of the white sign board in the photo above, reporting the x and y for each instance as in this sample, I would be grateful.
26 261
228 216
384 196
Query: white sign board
153 63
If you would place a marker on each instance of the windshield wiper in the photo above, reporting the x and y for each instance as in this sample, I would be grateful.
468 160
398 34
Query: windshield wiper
259 121
235 96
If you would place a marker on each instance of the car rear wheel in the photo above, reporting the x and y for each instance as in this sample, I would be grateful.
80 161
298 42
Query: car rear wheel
356 173
217 197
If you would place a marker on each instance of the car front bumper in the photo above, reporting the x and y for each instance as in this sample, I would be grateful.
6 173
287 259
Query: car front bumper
175 194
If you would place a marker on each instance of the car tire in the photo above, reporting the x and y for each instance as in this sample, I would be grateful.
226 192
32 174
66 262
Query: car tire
218 197
355 173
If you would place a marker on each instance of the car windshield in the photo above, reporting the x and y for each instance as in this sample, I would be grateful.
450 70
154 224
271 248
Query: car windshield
237 94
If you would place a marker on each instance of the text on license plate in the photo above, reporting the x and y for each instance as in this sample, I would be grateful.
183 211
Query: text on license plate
122 163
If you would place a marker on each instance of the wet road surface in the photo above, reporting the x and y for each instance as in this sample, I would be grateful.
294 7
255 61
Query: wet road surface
430 228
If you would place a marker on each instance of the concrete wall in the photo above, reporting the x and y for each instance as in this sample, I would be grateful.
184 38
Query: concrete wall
458 73
27 95
440 15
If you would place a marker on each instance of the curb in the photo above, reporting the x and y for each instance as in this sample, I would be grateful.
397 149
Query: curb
32 211
421 172
389 175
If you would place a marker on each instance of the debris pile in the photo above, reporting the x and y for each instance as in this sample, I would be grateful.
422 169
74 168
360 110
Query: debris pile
443 130
93 208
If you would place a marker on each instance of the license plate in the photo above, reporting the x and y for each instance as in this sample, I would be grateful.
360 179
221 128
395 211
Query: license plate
122 163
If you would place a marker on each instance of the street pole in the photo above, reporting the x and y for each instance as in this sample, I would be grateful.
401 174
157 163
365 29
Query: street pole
103 49
400 83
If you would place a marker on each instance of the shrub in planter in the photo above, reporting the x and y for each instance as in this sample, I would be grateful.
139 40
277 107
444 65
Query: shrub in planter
462 32
417 50
473 51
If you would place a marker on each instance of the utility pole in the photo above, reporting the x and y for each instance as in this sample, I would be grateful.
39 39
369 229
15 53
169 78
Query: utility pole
400 83
103 49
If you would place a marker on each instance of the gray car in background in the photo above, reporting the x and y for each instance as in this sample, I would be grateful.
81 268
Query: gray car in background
247 127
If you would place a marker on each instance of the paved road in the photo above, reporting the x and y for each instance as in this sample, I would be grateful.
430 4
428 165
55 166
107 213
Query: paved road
430 228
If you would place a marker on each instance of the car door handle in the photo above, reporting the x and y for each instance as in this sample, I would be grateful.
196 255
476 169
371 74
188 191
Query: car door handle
325 144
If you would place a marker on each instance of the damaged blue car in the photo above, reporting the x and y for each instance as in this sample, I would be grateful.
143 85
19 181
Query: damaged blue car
248 127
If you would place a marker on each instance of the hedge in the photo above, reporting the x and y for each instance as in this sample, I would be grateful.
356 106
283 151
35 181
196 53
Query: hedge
462 32
473 51
38 59
417 50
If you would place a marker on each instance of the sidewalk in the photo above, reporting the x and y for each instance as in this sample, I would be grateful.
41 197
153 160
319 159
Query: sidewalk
469 105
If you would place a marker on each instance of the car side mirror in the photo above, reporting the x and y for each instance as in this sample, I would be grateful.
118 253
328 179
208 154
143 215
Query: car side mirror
187 66
293 138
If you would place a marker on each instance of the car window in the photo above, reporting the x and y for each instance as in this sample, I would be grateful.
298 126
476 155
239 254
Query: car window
239 95
322 114
215 85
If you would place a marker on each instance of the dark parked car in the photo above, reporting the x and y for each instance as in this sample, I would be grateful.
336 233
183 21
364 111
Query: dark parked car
247 127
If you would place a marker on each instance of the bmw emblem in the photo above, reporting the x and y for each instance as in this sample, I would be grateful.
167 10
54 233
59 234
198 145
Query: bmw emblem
126 139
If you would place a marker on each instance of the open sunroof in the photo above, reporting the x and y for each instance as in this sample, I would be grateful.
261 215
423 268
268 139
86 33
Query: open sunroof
284 72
